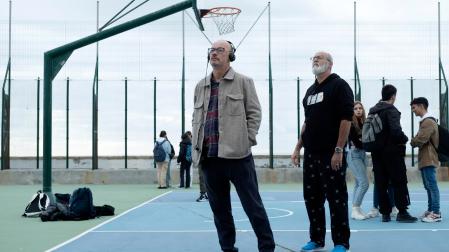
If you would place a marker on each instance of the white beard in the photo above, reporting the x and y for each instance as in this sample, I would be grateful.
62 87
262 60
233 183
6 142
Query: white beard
317 70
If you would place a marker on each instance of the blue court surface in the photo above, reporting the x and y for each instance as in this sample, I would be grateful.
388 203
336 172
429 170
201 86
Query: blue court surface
175 222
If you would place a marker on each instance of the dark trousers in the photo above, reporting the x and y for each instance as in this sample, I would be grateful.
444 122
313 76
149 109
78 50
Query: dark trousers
201 180
320 182
184 172
218 174
390 168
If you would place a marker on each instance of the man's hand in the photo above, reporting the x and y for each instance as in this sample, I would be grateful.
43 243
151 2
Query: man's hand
296 158
337 161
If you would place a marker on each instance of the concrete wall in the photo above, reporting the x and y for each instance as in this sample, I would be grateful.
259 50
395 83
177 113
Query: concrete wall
141 171
138 162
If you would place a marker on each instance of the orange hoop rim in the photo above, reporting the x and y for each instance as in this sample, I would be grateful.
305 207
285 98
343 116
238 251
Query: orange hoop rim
215 11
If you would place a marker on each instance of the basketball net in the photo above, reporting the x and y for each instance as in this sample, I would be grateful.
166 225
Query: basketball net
224 18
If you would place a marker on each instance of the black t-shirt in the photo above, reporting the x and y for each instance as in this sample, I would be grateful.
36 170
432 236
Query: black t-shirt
325 105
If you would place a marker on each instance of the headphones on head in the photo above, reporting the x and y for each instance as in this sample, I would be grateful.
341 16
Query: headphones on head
231 53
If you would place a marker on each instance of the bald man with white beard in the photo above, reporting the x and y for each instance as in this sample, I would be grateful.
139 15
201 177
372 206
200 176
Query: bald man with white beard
328 107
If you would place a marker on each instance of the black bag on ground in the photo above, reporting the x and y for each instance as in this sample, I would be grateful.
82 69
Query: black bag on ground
38 203
81 205
105 210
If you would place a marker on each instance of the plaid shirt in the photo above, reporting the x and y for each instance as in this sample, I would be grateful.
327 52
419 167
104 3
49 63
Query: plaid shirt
211 133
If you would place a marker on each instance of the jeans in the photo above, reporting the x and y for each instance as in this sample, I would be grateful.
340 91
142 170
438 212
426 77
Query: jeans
431 186
357 164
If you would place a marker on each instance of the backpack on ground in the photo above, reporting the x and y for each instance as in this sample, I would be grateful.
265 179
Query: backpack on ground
159 152
443 147
189 153
372 127
38 203
81 205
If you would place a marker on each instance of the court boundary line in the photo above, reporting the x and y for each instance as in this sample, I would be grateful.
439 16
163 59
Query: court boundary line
105 222
274 230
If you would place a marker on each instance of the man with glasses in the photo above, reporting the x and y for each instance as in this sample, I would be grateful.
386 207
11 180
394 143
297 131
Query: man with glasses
225 123
328 107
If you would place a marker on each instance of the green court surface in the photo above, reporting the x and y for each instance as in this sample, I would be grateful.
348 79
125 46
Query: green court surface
31 234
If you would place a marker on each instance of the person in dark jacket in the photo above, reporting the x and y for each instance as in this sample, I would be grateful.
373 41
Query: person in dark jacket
329 107
388 162
185 158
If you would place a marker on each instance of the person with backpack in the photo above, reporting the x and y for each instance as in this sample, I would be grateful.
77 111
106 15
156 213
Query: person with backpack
388 157
427 141
185 158
161 156
329 108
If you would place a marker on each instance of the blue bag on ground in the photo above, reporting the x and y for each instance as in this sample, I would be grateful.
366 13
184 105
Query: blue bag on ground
81 205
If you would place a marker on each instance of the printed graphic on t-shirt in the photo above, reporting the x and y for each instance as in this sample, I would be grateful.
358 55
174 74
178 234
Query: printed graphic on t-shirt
316 98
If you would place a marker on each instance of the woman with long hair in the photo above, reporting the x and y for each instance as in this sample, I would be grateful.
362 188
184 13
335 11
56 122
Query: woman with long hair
356 160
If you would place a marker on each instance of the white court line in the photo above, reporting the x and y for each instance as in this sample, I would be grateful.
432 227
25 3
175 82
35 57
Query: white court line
103 223
274 230
286 214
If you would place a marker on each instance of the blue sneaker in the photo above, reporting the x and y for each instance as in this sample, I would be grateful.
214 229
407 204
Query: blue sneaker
311 246
339 248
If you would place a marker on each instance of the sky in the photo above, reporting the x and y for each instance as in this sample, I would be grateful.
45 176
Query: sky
395 39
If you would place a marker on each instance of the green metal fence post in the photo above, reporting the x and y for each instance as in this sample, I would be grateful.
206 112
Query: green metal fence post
67 122
126 123
38 121
154 116
412 120
298 106
183 81
270 88
95 103
6 105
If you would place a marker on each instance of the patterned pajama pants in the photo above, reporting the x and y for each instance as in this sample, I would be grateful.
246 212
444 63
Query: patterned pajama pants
320 182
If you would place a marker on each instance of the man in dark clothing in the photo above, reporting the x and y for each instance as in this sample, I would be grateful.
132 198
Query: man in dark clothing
226 119
388 161
328 106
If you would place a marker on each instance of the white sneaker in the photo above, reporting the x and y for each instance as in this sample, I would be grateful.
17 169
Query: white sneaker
394 212
373 213
357 213
424 215
432 217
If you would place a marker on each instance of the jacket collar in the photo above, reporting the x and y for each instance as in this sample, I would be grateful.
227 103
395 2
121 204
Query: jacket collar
427 115
228 76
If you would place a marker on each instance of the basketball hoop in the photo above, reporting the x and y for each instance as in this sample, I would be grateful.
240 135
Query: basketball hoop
224 18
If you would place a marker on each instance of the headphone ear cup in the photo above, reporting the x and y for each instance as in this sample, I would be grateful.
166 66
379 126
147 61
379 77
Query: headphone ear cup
231 57
208 57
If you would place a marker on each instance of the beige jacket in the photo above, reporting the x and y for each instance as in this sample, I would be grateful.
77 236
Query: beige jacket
239 116
428 131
